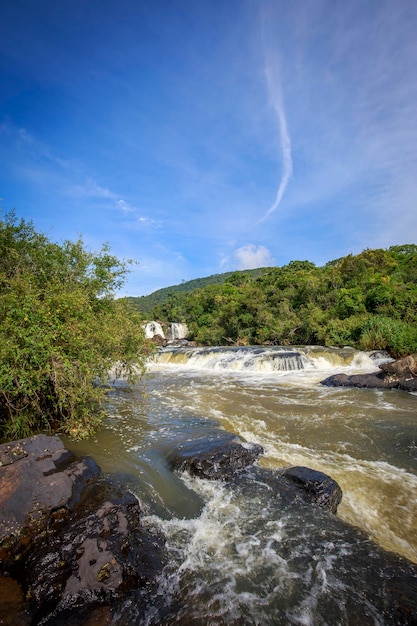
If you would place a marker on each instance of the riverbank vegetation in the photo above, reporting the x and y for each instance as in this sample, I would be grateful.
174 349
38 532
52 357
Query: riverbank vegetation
61 330
368 301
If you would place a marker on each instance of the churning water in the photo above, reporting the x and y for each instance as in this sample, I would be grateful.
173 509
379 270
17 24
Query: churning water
237 556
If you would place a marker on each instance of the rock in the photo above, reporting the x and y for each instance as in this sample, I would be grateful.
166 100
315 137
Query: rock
226 458
159 340
214 458
315 487
38 477
70 538
12 604
370 381
408 385
405 368
103 552
400 374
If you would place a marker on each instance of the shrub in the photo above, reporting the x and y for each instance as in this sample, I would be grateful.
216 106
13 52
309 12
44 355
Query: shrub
61 331
387 333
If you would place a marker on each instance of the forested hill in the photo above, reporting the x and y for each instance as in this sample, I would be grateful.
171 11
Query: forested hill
146 304
367 300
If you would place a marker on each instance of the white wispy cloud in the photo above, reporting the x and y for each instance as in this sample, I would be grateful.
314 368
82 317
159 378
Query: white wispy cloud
252 256
349 83
275 94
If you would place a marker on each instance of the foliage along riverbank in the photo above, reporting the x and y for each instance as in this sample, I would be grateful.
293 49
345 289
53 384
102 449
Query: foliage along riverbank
368 301
61 330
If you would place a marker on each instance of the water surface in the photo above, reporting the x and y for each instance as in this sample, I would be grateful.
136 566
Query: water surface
234 554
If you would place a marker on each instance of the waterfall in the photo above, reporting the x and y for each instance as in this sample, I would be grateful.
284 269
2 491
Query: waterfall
235 359
176 331
152 329
266 359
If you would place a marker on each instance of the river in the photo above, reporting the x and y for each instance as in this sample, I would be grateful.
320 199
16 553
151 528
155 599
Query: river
234 558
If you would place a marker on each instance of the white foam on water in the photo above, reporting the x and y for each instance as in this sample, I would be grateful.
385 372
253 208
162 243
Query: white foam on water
245 561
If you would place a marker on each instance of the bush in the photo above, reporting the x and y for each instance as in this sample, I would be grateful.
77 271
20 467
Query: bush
61 331
387 333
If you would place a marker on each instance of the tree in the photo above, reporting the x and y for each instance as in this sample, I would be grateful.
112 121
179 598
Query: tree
61 331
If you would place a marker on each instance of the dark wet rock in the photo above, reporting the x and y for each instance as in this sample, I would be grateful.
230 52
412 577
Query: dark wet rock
408 385
12 604
38 478
370 381
99 557
214 458
315 487
226 457
400 374
71 538
295 487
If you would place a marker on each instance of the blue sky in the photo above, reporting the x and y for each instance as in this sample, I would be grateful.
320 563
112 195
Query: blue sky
203 136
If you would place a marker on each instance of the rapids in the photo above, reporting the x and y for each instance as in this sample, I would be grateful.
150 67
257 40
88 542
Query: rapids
235 558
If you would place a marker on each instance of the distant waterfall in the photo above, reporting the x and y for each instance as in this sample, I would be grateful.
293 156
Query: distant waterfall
173 331
176 331
152 329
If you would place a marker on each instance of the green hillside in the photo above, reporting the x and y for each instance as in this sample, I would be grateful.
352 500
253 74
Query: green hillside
146 304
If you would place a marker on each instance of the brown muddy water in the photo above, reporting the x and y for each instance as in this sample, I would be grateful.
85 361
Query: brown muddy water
227 542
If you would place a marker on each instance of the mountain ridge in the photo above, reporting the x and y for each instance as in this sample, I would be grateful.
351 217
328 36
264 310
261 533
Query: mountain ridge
145 304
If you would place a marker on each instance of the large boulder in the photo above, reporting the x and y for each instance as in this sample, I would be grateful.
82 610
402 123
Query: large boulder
70 538
94 560
214 458
315 487
37 477
402 369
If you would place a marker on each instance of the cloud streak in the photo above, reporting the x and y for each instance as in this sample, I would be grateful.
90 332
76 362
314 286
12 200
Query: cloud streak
275 94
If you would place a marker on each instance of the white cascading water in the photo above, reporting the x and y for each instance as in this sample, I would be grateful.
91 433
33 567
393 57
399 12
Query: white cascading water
153 328
267 359
176 331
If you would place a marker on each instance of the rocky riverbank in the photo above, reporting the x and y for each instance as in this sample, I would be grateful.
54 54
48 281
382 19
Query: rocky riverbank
71 539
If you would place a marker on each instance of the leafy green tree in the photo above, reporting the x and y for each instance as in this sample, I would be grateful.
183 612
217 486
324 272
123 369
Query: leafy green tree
61 332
